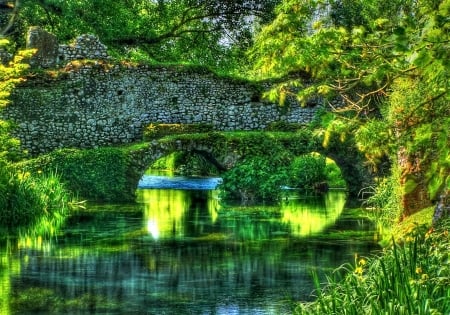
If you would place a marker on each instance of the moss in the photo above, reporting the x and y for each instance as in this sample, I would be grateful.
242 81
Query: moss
403 228
155 131
96 174
409 186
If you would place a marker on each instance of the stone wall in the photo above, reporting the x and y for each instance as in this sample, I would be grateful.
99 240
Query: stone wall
49 53
91 104
86 46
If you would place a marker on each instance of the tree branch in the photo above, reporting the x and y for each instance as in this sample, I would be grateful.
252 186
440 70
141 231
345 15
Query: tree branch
10 23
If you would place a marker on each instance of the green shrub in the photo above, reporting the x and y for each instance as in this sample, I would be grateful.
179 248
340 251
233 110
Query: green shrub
334 175
284 126
4 181
410 277
155 131
386 200
256 178
9 147
261 173
168 162
29 199
307 170
96 174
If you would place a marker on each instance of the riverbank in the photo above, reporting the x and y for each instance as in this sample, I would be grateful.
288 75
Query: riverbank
412 276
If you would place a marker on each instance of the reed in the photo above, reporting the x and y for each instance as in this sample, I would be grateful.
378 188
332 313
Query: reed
412 276
32 202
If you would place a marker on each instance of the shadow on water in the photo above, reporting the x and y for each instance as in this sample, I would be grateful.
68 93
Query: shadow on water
180 252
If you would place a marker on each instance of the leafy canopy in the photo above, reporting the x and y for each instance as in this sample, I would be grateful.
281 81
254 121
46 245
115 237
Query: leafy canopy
10 75
211 32
387 63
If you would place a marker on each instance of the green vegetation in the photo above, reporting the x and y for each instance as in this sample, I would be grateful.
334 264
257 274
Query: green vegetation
31 203
155 131
97 174
411 277
386 63
333 174
261 177
264 161
382 66
386 200
256 178
211 33
308 170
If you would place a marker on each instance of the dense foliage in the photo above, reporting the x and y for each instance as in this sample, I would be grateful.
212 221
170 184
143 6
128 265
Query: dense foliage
268 164
412 277
386 63
213 33
31 203
28 201
10 75
308 170
256 178
95 174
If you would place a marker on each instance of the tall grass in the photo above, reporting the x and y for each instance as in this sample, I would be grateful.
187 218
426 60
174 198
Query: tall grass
412 276
386 201
31 202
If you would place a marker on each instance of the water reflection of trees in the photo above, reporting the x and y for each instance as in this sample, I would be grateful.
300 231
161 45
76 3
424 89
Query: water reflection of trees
203 256
178 213
311 216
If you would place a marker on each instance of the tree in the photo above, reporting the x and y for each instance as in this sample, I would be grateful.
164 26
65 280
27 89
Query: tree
10 75
208 32
8 14
390 72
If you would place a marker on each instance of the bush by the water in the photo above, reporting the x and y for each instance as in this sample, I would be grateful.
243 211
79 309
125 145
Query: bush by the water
97 174
261 177
307 170
411 277
256 178
26 199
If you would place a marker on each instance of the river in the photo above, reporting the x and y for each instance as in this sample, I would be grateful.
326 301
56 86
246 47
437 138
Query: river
179 251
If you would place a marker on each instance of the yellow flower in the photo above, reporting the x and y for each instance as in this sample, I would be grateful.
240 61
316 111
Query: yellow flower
23 176
362 261
425 276
418 270
359 270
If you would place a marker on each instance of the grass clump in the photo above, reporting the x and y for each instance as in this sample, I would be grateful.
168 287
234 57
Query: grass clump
411 277
31 202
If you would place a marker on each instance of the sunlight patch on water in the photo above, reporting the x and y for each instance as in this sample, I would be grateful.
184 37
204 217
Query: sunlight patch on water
309 218
152 228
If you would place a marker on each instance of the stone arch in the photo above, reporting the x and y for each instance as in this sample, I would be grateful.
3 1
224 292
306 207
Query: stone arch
225 154
141 158
346 156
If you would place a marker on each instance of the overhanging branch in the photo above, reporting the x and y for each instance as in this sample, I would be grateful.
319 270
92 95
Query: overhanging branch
15 9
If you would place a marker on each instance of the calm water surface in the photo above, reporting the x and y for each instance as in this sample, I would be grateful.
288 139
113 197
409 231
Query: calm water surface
180 252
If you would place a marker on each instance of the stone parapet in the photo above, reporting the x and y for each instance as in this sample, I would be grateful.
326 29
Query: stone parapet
92 104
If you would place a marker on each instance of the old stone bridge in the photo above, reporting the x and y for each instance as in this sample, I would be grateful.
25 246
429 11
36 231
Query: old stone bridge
82 99
224 150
